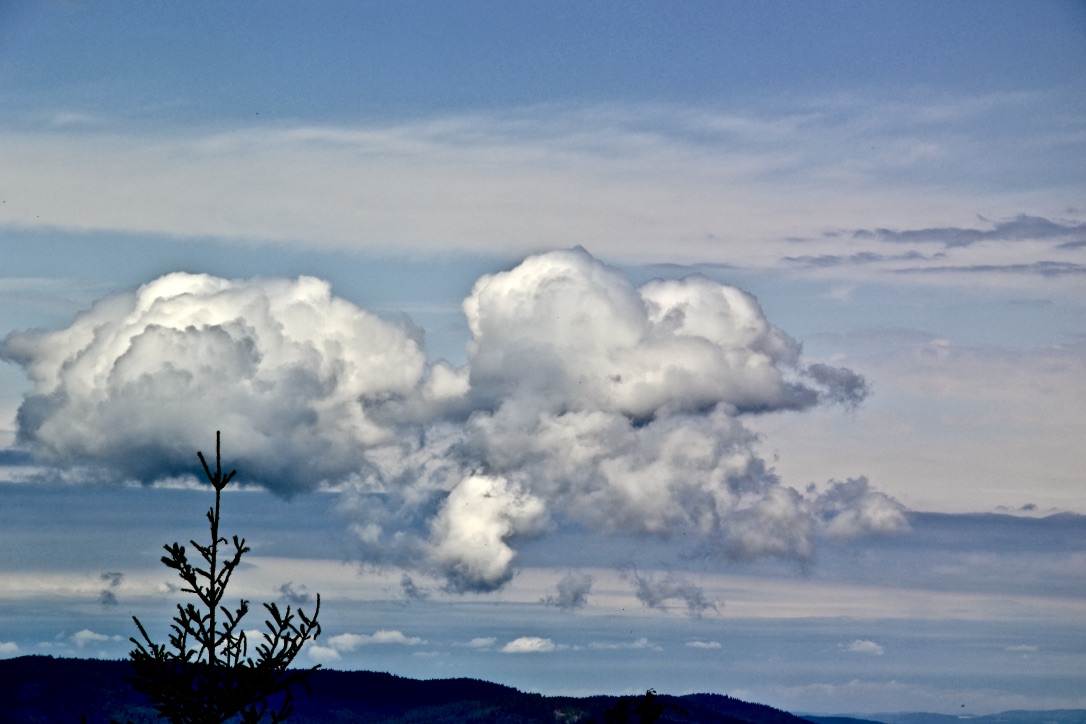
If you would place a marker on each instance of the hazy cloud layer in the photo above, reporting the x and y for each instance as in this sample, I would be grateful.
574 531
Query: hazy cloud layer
628 176
586 401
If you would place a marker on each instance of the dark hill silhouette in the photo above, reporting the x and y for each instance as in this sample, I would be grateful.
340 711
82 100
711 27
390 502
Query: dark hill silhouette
46 689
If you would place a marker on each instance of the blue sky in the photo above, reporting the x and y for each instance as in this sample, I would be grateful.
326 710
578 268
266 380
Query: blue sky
582 347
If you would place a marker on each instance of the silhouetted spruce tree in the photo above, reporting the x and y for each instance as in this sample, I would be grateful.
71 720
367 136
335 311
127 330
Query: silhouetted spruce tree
646 709
205 674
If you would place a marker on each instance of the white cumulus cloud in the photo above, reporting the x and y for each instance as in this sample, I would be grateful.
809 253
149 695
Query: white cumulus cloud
703 644
347 642
529 645
481 642
586 401
287 370
86 637
863 646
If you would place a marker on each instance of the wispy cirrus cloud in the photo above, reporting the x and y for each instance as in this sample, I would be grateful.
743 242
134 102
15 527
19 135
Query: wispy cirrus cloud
1044 268
621 177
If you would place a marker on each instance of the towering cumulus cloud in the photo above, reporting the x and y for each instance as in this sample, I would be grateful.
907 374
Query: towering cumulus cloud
585 402
138 382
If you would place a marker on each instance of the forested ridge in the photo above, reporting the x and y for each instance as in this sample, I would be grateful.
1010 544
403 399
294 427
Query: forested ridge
46 689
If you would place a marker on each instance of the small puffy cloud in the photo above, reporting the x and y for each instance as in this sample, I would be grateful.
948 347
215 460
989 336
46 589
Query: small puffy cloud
528 645
347 642
655 593
8 648
86 637
703 644
255 636
323 654
291 594
481 642
863 646
839 385
851 508
112 578
572 592
411 590
640 643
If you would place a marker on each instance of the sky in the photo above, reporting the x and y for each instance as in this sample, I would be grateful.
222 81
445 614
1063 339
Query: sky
581 347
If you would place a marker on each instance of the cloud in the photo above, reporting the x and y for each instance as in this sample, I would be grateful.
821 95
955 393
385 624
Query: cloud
1043 268
839 385
851 508
411 590
656 593
862 646
1020 251
347 642
471 529
8 648
1021 228
86 637
113 578
586 402
703 644
481 642
322 654
641 643
296 596
284 367
106 597
620 174
572 593
528 645
859 258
